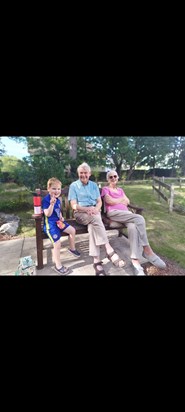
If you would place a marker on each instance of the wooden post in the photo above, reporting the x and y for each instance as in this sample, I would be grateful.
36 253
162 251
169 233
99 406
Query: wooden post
171 198
39 244
180 183
159 198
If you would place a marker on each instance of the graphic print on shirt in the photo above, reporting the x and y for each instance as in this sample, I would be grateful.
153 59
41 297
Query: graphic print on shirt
57 211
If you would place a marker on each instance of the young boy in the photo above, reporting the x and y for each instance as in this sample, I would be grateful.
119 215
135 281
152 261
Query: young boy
54 224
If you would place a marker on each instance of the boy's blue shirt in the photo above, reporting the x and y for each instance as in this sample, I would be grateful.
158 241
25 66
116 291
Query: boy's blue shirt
56 210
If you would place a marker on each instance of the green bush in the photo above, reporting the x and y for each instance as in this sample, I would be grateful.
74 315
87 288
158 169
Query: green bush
14 204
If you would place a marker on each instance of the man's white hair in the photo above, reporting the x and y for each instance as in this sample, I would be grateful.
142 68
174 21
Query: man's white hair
84 166
109 172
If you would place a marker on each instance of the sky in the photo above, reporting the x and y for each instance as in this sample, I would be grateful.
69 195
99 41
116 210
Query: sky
14 149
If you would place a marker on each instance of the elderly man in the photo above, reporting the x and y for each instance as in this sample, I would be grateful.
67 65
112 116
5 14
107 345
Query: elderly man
86 202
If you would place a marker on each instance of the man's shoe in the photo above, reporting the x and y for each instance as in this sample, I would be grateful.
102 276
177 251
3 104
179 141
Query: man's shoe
75 252
99 272
155 260
62 271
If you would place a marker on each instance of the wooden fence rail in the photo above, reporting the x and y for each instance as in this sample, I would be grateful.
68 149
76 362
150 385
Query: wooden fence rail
169 199
178 181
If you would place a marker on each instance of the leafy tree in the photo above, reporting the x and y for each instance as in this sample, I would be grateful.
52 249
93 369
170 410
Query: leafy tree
67 151
174 152
19 139
60 155
89 151
132 155
2 150
49 156
9 168
132 151
73 147
181 162
118 151
153 150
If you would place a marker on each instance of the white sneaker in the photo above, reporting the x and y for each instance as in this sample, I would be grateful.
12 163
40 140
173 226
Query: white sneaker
138 269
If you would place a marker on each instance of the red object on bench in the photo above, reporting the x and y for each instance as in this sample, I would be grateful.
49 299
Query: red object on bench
37 202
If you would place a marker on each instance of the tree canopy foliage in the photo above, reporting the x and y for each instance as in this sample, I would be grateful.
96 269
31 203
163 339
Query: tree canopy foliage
2 150
60 156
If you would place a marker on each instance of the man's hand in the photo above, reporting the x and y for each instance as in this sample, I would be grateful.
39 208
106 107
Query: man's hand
92 210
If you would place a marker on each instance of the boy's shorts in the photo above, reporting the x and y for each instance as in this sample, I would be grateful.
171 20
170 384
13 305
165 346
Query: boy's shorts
54 233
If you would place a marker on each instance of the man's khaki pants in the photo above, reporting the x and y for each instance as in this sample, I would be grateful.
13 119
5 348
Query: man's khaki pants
96 229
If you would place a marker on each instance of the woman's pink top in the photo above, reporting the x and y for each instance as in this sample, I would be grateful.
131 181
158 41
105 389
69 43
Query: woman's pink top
115 195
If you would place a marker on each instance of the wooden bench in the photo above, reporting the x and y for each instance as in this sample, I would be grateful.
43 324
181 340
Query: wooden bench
68 215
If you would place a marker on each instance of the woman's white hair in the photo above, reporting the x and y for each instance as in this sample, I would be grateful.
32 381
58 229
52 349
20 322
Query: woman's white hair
84 166
109 172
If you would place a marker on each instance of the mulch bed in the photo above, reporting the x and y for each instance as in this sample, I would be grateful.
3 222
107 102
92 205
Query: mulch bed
172 269
7 237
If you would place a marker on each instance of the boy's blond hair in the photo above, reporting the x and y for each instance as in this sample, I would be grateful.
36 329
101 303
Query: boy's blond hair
52 181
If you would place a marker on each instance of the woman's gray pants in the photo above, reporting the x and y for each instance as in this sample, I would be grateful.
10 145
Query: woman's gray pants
136 229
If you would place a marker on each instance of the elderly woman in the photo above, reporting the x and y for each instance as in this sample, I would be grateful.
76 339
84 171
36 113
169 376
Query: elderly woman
86 202
116 207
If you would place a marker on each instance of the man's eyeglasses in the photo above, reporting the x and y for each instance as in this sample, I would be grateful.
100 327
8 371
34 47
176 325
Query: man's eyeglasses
111 177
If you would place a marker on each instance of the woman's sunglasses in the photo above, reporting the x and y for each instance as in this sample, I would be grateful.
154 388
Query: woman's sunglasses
111 177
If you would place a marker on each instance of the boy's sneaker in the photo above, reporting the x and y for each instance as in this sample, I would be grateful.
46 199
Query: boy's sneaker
62 271
75 252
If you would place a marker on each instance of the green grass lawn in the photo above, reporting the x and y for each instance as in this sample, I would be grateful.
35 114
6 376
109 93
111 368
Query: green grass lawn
27 224
166 231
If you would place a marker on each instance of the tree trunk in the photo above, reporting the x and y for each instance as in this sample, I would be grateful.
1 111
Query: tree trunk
73 147
118 169
130 172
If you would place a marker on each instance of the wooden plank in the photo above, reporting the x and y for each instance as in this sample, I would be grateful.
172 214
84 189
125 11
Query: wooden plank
161 194
162 183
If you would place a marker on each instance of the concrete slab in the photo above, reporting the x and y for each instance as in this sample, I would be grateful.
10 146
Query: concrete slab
12 250
10 253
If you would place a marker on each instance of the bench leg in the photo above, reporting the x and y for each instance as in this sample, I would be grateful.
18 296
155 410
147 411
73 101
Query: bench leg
39 244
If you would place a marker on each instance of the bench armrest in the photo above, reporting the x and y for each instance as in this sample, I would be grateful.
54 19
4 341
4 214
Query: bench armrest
137 209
